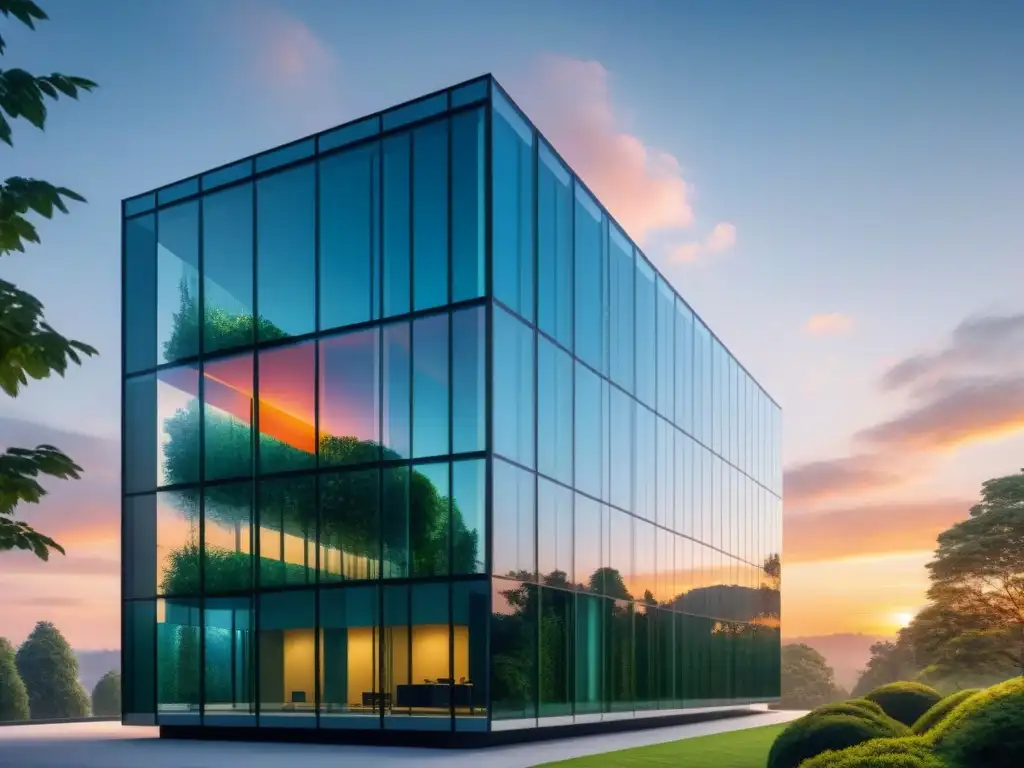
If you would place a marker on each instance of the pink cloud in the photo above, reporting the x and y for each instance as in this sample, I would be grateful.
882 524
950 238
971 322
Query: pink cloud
643 187
828 323
721 238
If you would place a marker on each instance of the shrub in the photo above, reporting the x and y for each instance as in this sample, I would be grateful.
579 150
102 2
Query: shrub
13 696
866 705
934 716
815 733
985 730
873 713
904 752
904 701
50 671
106 695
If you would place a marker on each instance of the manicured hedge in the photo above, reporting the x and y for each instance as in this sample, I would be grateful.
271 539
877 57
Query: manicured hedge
904 752
936 714
985 730
866 705
815 733
904 701
873 713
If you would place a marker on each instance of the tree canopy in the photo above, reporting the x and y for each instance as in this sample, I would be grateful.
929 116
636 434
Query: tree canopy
49 669
13 696
807 679
29 347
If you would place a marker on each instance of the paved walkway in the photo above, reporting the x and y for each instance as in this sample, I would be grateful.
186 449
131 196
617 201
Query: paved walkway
110 745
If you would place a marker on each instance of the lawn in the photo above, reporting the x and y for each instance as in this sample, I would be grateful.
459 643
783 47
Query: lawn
746 748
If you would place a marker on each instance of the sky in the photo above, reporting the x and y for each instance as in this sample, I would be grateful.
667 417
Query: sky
835 188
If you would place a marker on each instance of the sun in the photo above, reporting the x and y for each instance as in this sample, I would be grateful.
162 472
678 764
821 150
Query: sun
902 618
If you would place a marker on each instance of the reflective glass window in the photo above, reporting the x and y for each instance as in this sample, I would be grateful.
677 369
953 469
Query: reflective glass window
350 397
554 411
177 282
646 382
287 390
555 652
177 191
287 532
589 265
416 110
430 386
591 612
286 253
429 520
513 389
178 654
349 648
177 543
666 349
684 379
397 236
228 416
469 516
287 654
140 287
468 93
619 657
514 537
468 208
395 522
512 203
469 387
620 305
349 525
289 153
643 585
396 389
554 534
227 538
349 237
139 619
588 432
177 414
619 576
514 623
229 661
140 204
229 173
621 445
645 464
470 618
554 243
138 546
227 269
588 536
665 451
140 434
349 134
430 215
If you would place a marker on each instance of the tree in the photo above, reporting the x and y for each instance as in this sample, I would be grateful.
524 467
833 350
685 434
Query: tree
807 679
978 572
106 695
889 663
49 668
13 696
29 346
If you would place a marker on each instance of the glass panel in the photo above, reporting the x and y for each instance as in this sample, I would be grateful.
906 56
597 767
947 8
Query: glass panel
469 387
554 254
666 349
286 252
287 651
349 525
621 312
177 270
229 666
227 538
177 416
468 226
227 268
228 416
177 191
513 389
644 584
140 204
429 520
618 578
139 620
470 619
350 398
589 654
286 154
417 110
621 673
349 237
684 367
621 447
514 607
469 516
588 536
347 134
226 175
430 386
396 225
514 538
140 293
469 93
430 215
177 542
646 349
512 203
395 514
138 546
286 416
396 389
554 534
588 432
590 265
665 510
645 491
554 411
350 657
287 532
557 638
140 434
178 639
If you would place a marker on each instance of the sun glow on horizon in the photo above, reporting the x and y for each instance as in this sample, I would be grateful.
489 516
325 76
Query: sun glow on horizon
903 618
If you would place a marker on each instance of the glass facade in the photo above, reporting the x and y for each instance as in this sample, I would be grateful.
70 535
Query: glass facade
415 438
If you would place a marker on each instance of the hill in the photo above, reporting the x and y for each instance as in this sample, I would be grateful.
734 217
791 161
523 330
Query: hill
846 653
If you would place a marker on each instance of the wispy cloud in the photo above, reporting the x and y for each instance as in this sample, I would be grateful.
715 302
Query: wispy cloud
721 238
828 323
818 481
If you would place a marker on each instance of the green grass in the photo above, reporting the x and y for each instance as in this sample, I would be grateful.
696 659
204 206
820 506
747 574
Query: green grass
746 748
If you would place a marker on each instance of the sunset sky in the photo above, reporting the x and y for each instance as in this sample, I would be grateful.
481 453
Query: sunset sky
836 188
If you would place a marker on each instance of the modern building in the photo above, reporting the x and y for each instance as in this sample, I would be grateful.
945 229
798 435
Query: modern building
417 440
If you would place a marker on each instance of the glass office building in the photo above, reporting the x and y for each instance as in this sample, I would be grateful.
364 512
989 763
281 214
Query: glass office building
416 439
